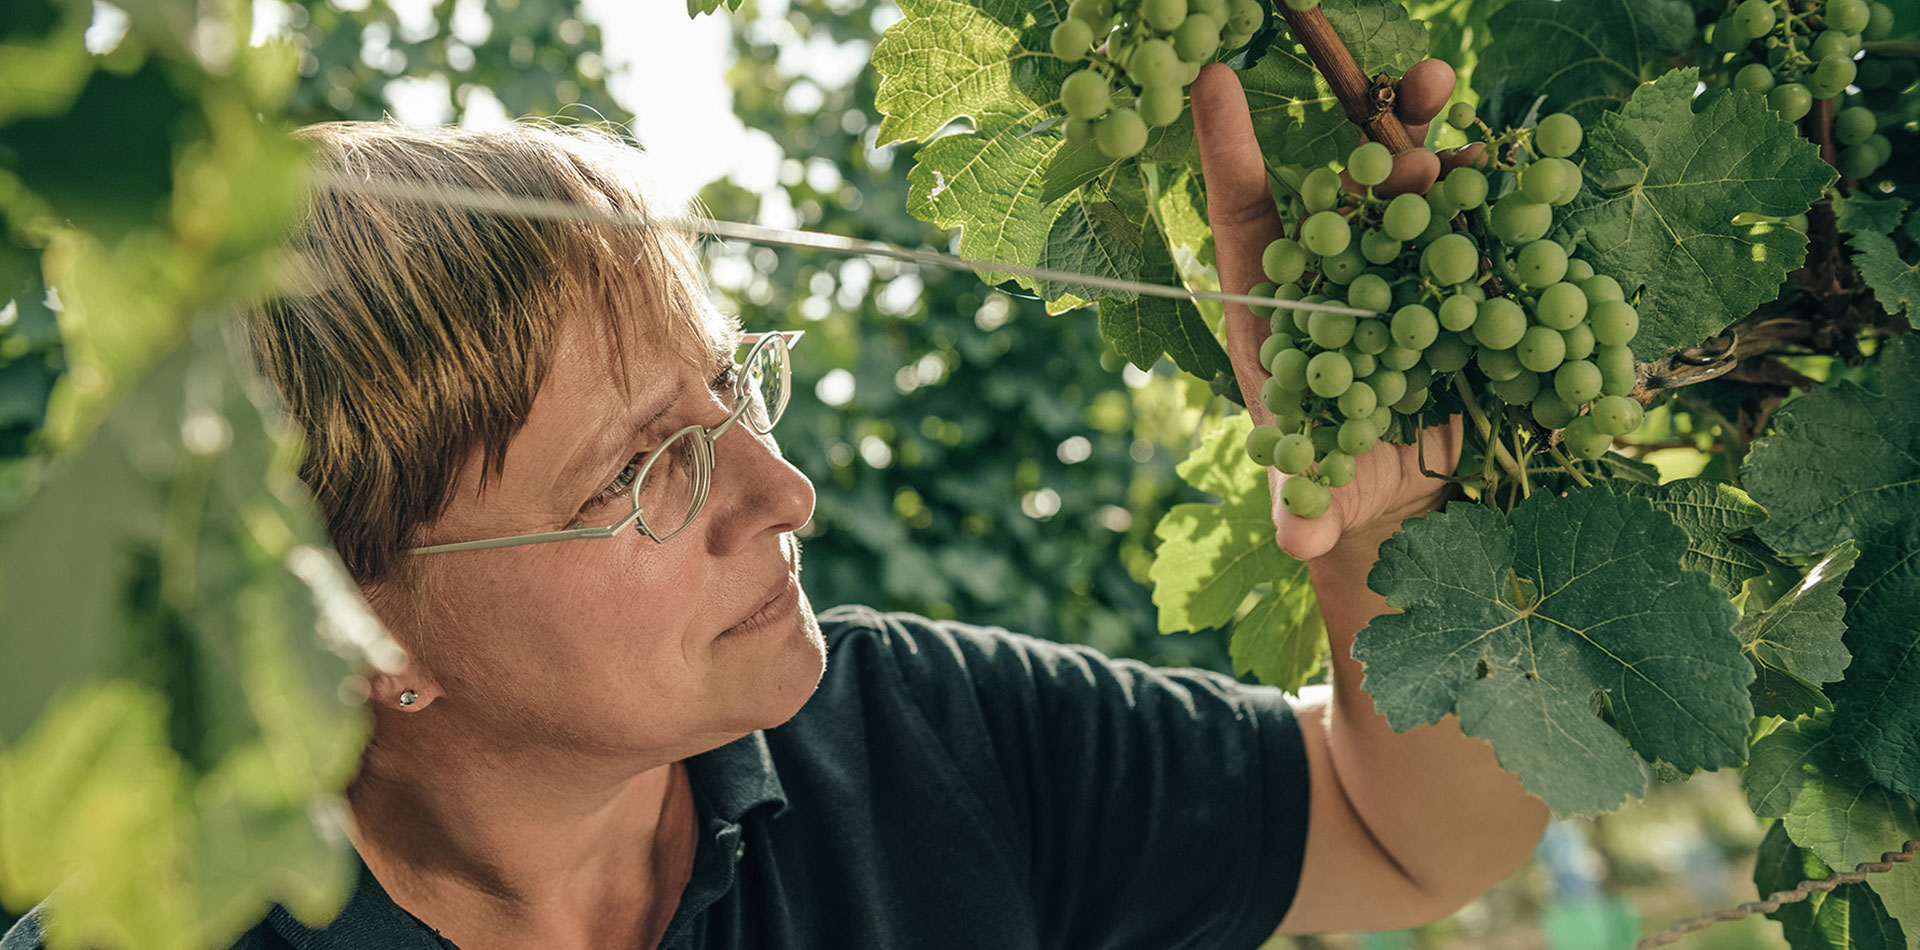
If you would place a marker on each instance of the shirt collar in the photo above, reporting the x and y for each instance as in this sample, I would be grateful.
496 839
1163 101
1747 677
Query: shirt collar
737 778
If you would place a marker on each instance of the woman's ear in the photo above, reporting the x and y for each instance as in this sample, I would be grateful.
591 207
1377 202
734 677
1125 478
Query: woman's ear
410 687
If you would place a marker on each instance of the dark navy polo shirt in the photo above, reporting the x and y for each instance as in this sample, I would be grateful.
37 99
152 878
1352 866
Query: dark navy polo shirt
952 786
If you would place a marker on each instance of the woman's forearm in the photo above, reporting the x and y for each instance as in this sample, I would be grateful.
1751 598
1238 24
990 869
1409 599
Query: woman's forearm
1434 797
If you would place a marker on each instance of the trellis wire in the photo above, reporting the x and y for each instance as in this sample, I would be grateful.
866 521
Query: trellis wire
1773 901
788 237
833 243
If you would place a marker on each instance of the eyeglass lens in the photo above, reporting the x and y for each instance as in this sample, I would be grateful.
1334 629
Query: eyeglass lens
669 492
766 375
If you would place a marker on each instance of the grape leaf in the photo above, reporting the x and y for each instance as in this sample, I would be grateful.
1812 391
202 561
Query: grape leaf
1828 805
1801 634
1844 462
988 184
1098 233
697 7
1849 917
1713 514
1211 556
976 59
1584 56
1144 327
1869 225
1532 625
1664 185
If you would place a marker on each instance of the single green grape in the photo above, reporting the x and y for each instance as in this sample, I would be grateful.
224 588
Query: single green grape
1370 163
1320 190
1406 216
1160 106
1461 115
1541 263
1543 181
1792 101
1388 385
1289 369
1519 390
1363 363
1197 38
1122 134
1541 349
1585 440
1272 345
1614 322
1357 436
1574 178
1262 444
1284 261
1276 397
1343 267
1500 323
1154 63
1858 161
1518 219
1245 19
1077 131
1448 353
1382 418
1833 43
1415 327
1854 125
1399 358
1165 16
1412 401
1879 22
1369 292
1072 39
1338 468
1578 270
1452 259
1378 247
1326 233
1329 374
1617 415
1754 17
1847 16
1558 135
1618 375
1755 78
1458 311
1578 341
1561 306
1372 337
1600 288
1466 188
1577 381
1085 94
1498 364
1304 496
1293 453
1832 76
1359 400
1330 330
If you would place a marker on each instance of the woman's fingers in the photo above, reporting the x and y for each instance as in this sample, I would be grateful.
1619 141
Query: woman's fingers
1240 209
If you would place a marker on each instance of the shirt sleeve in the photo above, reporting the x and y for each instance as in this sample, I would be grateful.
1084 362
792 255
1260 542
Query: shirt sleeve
1157 808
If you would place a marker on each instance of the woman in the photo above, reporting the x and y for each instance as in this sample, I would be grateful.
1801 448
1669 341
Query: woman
613 738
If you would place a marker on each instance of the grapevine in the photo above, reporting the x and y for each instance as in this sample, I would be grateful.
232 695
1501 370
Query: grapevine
1689 228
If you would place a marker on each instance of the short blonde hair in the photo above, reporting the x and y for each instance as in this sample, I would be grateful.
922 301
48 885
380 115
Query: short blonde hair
421 331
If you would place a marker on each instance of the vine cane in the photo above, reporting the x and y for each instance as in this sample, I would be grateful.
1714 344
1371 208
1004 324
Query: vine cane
1773 901
1368 102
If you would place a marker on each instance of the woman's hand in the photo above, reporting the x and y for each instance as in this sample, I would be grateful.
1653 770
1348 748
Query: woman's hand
1389 485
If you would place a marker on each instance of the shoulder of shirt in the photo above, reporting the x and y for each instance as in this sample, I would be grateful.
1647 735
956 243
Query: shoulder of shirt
28 934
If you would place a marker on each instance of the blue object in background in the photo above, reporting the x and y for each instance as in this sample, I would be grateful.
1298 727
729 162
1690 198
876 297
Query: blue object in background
1579 915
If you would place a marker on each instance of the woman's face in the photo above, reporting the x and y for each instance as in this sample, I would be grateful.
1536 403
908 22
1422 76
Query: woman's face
623 645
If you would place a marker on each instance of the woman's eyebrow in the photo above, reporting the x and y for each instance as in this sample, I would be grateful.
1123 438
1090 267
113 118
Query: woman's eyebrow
603 453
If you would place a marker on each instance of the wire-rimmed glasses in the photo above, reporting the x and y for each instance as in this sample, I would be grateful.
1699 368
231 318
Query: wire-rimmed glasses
673 480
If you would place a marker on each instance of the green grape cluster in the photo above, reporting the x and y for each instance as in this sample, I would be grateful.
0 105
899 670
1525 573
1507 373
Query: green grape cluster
1141 56
1466 293
1794 52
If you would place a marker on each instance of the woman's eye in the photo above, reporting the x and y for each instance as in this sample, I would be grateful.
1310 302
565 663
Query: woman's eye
621 484
723 383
